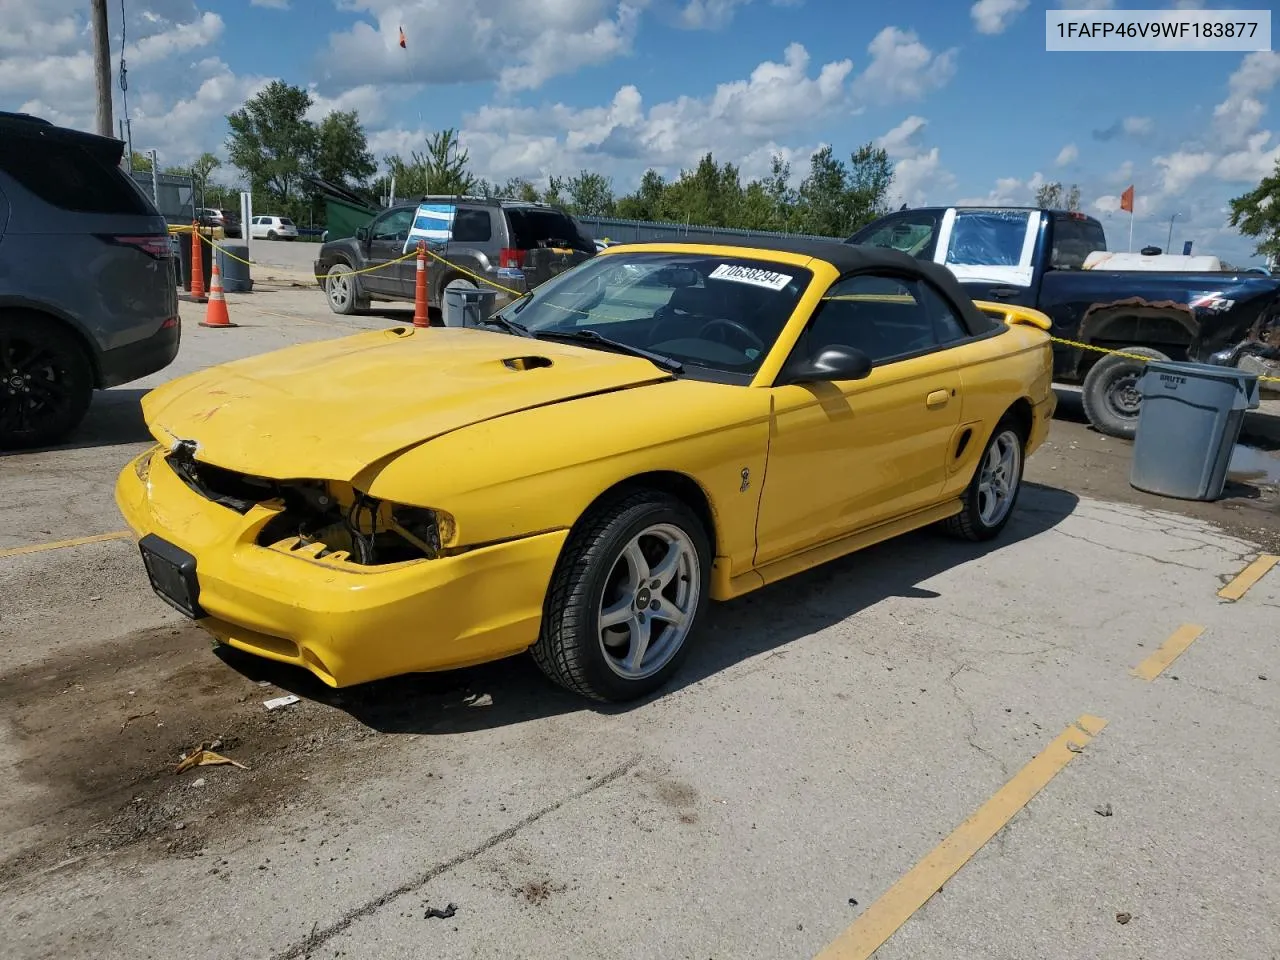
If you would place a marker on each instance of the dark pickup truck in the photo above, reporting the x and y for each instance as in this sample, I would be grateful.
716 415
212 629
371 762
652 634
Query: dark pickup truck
1036 258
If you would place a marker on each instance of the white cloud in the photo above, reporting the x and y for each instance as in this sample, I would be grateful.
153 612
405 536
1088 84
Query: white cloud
918 174
1180 169
524 43
1138 126
273 4
1067 154
898 142
1254 161
994 16
708 14
1008 191
903 68
739 121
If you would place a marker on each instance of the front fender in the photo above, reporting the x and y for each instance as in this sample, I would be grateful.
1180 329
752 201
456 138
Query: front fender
540 469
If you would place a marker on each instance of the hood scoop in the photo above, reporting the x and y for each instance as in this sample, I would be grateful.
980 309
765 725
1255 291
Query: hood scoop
525 363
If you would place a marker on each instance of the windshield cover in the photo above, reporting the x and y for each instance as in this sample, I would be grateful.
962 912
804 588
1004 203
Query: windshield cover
988 238
719 313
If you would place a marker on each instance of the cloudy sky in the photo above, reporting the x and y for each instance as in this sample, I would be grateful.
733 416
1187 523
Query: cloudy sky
963 95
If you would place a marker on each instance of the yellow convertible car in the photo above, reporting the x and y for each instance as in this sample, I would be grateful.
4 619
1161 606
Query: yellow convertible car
664 424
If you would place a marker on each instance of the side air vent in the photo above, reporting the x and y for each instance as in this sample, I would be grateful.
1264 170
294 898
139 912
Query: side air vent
964 441
526 363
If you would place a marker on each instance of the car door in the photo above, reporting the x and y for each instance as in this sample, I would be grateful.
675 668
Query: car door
387 236
844 456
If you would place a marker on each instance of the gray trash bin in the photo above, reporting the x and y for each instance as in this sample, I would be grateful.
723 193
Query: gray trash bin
1188 423
235 274
467 306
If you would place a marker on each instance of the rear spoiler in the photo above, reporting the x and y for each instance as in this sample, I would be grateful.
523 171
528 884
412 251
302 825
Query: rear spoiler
1011 315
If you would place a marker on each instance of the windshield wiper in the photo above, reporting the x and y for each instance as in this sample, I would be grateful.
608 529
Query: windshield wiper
519 329
591 336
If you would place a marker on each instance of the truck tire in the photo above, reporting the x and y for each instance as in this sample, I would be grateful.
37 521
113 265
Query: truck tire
1110 394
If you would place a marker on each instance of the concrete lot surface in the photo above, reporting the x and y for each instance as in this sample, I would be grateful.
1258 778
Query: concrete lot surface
825 737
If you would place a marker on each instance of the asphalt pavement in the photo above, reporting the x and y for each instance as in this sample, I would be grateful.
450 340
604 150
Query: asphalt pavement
822 767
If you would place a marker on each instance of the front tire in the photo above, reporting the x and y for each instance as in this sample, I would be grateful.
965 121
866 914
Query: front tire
342 289
992 493
625 598
46 382
1110 392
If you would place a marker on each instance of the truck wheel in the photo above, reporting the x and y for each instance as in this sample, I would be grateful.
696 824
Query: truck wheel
46 382
1110 395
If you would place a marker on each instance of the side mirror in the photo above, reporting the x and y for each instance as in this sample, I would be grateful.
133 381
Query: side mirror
832 363
362 234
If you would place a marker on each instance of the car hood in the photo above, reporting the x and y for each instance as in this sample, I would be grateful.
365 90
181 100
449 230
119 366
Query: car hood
330 410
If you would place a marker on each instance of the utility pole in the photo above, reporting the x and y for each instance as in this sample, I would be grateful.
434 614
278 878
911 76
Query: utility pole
102 67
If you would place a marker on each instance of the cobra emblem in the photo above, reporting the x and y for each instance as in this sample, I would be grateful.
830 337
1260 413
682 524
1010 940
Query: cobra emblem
746 480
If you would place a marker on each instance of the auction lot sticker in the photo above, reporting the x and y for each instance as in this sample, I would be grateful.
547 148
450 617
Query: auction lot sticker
752 275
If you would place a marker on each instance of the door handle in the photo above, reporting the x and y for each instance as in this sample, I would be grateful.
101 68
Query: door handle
937 399
1004 293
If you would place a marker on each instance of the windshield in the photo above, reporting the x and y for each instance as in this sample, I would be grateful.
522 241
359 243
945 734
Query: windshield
718 313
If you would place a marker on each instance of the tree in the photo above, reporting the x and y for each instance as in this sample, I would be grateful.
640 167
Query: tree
342 150
870 176
782 196
590 195
1257 214
140 162
272 141
823 195
1052 197
517 188
647 203
444 165
709 195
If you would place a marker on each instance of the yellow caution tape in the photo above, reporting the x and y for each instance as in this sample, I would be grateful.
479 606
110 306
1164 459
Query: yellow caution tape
1120 353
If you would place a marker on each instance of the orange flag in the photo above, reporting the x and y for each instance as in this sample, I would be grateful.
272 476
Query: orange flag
1126 199
402 43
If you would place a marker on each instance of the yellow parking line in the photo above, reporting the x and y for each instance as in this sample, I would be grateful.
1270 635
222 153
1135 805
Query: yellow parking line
59 544
1247 577
1169 651
884 917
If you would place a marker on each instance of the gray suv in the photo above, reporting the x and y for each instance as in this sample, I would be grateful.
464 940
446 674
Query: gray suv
511 242
88 291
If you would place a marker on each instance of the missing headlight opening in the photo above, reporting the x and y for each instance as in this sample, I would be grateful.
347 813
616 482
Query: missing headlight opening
347 524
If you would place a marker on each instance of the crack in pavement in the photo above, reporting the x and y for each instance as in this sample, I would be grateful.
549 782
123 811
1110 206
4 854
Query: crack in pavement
318 937
1132 553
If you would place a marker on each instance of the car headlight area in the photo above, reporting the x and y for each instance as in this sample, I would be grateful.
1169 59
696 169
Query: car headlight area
321 575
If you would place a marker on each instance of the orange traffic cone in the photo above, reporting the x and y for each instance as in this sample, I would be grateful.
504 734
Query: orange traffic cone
216 315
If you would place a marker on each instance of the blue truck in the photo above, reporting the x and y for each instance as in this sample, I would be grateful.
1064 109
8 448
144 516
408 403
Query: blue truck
1036 257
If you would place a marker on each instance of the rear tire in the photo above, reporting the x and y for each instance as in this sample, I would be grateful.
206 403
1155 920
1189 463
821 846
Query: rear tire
993 492
271 235
625 598
46 382
1110 392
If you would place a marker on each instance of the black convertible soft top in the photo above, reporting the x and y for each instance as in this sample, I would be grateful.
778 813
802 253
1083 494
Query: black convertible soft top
850 258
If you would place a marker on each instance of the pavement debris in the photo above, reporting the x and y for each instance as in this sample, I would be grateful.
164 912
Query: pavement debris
280 702
202 756
1123 917
1103 810
435 913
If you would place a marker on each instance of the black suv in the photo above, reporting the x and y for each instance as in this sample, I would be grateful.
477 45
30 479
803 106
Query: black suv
513 243
88 293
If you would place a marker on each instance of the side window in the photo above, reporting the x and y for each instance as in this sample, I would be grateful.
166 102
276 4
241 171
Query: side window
884 317
393 225
472 225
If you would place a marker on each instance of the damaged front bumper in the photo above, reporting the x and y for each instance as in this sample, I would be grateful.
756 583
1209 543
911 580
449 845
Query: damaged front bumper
345 622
